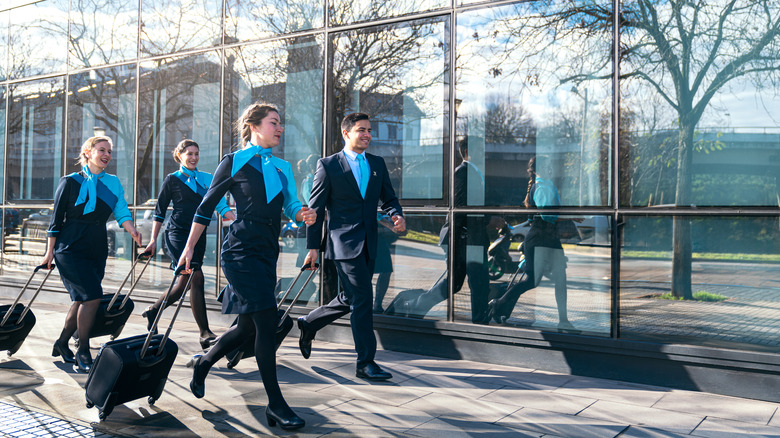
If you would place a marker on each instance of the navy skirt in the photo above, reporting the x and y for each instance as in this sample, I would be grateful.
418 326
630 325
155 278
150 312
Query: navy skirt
81 276
176 240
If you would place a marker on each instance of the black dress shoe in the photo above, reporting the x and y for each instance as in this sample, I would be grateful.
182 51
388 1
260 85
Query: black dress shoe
83 362
198 382
373 372
287 423
304 342
61 349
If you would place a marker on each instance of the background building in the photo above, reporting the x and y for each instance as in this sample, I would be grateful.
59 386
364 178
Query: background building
656 125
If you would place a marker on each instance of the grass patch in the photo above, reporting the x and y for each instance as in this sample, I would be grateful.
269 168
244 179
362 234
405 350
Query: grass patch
422 237
701 295
741 257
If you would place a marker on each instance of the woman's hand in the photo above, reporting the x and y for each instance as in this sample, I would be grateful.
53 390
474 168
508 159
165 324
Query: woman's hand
230 216
47 258
130 228
311 259
151 247
185 259
306 215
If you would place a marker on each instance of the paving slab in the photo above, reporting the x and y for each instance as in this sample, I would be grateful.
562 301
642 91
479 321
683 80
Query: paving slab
539 399
751 411
721 428
558 424
642 416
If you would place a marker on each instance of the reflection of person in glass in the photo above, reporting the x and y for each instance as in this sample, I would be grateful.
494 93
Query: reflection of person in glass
470 251
78 243
386 236
262 185
185 188
542 249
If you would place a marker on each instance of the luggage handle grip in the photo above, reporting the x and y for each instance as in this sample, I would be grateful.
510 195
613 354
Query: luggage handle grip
145 254
19 297
193 266
298 295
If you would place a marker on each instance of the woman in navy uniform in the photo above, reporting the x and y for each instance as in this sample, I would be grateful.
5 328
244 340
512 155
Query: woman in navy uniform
262 186
185 188
77 241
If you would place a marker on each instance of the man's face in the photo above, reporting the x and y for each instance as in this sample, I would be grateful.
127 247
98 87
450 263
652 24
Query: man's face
358 138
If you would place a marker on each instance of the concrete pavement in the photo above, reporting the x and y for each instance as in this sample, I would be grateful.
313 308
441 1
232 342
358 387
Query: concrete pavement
428 397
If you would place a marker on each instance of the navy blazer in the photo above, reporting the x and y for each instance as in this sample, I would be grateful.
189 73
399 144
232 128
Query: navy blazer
352 223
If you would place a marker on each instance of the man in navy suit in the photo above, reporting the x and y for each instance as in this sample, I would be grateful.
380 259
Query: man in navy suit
349 185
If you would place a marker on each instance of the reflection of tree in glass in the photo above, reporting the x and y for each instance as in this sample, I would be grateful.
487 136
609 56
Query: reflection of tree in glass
248 19
351 11
400 61
102 31
506 123
169 26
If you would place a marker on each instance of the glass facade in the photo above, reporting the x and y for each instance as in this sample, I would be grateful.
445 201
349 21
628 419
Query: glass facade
595 168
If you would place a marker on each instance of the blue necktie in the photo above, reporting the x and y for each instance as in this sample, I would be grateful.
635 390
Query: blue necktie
363 166
88 190
192 178
273 185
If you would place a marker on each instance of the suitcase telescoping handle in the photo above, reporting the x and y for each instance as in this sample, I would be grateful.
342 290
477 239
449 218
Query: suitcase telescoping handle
19 297
179 269
287 292
148 256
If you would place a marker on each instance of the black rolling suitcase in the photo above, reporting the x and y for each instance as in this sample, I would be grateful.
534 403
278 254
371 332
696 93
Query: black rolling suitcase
135 367
116 308
282 329
18 320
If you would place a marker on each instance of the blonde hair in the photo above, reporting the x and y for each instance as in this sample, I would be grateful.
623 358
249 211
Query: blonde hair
86 148
179 149
252 115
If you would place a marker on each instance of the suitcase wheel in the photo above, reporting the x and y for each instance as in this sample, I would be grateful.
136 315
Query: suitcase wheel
150 400
102 415
90 405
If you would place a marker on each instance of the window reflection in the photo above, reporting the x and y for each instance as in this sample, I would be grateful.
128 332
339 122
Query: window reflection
2 137
288 74
102 102
179 99
739 272
38 39
248 20
412 264
169 26
102 32
531 81
345 11
397 74
35 129
4 20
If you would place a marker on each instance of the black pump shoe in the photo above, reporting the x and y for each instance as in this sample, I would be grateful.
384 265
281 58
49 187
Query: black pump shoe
198 383
63 350
208 341
83 362
286 423
150 314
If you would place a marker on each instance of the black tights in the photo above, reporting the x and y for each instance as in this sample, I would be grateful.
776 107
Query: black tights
263 325
197 300
81 317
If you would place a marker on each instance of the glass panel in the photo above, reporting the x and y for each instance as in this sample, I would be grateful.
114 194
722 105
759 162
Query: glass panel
102 102
346 11
23 247
533 79
175 25
699 132
732 260
253 20
102 32
288 74
35 130
551 275
398 75
410 265
3 125
39 38
4 23
179 99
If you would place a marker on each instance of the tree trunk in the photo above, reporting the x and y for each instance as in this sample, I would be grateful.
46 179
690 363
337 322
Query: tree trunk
682 247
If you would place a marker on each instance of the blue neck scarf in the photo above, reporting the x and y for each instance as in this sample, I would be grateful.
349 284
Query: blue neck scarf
192 178
88 191
273 185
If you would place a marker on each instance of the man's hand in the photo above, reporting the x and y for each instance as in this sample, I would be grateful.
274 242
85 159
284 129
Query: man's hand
399 224
308 215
